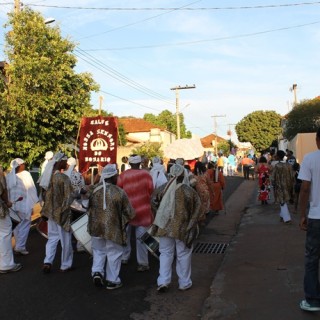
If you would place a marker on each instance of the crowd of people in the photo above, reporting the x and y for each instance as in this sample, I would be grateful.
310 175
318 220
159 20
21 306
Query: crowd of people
141 197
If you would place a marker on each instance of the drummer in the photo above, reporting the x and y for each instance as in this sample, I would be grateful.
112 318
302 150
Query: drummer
58 196
176 226
109 213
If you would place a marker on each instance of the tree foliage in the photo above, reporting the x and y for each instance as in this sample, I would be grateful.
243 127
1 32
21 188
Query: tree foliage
45 98
303 118
168 120
260 128
149 149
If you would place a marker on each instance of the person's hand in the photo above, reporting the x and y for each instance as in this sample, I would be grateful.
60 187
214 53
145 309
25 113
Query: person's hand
9 204
303 223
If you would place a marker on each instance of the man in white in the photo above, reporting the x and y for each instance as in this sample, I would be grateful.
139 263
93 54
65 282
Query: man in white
158 173
23 195
310 192
48 156
176 226
7 263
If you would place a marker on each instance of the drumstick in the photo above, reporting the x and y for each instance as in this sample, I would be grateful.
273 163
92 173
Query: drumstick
19 199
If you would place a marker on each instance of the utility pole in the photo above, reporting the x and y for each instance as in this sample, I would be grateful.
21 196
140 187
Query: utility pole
294 89
100 104
215 131
177 105
17 6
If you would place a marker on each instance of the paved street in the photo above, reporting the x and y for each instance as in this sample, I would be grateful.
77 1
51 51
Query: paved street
30 294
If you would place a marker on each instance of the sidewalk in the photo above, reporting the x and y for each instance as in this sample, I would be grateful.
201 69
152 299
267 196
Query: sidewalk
261 274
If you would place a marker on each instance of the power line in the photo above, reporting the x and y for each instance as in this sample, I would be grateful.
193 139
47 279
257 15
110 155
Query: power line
245 35
184 8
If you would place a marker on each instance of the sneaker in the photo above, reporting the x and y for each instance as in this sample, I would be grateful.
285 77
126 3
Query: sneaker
16 268
22 252
163 288
142 268
186 287
112 286
304 305
98 279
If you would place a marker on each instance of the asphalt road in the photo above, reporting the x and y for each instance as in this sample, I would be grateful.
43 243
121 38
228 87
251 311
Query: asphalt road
30 294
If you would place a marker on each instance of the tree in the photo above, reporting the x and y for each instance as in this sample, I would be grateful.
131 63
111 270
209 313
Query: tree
303 118
260 128
168 120
149 149
45 98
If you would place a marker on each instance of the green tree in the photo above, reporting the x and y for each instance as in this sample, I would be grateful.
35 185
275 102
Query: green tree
45 97
303 118
168 120
260 128
149 149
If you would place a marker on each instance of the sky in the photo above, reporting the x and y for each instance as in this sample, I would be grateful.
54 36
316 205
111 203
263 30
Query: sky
242 56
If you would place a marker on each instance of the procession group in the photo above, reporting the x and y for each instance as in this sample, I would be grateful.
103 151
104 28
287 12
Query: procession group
167 204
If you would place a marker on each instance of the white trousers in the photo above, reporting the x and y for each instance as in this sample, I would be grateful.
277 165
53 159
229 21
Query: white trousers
21 232
284 213
6 253
167 248
106 258
55 234
142 251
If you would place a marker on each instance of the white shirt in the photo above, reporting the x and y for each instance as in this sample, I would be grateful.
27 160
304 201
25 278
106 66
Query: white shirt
310 171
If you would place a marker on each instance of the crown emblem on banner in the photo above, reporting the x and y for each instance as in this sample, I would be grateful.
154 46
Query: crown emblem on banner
98 144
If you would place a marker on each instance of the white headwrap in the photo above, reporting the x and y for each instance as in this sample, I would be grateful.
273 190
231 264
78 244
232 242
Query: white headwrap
11 176
180 161
108 171
44 180
72 162
135 159
49 155
166 209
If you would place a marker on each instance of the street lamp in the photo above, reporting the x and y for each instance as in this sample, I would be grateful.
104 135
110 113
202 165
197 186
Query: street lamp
49 20
177 105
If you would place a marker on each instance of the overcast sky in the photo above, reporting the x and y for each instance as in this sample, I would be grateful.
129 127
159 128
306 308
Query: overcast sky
242 56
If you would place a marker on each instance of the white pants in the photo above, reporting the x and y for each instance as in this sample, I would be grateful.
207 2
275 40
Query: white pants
6 254
21 232
106 258
142 251
167 248
284 213
55 234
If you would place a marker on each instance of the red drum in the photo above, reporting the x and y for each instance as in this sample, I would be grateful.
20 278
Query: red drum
42 227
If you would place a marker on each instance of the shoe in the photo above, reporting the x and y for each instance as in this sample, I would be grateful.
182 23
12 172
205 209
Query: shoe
163 288
186 287
142 268
288 222
98 279
304 305
46 268
112 286
16 268
66 270
22 252
124 262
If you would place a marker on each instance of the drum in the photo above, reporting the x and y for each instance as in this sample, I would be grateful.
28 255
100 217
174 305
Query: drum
79 229
152 244
42 227
77 209
15 218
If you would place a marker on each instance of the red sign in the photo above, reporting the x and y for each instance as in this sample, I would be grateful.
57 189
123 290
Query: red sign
98 142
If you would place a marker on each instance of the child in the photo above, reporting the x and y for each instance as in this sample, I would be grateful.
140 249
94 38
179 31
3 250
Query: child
263 194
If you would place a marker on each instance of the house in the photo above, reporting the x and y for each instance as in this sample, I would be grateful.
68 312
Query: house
210 142
139 131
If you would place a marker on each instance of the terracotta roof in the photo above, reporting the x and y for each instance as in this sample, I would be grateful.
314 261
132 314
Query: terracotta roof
137 125
207 141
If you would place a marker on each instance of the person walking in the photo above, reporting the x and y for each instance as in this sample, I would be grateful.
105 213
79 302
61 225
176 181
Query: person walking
176 226
57 193
109 213
21 186
246 163
7 263
310 221
138 185
283 182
